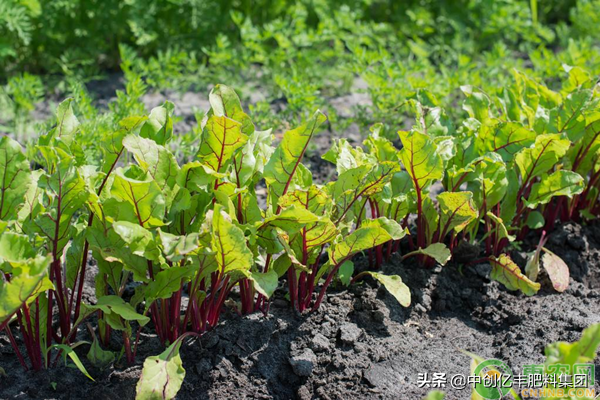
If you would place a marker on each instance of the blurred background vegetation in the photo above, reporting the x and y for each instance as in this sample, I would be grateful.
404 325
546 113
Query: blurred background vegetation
284 57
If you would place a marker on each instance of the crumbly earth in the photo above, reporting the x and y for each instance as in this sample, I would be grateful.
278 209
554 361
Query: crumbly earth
361 344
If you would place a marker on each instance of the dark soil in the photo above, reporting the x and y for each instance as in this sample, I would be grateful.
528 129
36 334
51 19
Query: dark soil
361 344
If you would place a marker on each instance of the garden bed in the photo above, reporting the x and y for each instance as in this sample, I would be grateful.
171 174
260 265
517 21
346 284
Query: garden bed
361 344
311 200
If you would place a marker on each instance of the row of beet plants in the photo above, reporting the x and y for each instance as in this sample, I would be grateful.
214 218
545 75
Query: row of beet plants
183 235
193 238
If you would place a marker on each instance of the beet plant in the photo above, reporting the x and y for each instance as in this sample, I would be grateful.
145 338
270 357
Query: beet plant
45 223
513 166
339 229
173 243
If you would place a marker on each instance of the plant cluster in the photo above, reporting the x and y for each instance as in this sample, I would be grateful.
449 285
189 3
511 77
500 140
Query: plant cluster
198 229
225 228
519 162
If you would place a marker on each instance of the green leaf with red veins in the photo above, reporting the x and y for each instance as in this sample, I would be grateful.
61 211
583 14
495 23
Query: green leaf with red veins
505 139
162 375
196 176
457 211
176 247
584 153
225 102
159 125
396 201
157 161
284 163
32 201
290 219
289 254
315 199
221 137
505 271
28 280
541 156
229 244
312 237
430 118
133 122
559 183
15 178
315 233
251 212
578 77
65 192
371 233
569 117
533 95
420 159
364 181
488 180
346 190
139 201
167 282
557 270
113 254
112 148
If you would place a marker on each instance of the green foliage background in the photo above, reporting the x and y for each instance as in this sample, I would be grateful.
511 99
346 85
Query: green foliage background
299 52
61 35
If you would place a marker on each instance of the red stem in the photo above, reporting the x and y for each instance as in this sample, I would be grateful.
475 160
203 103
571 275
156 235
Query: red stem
327 283
16 348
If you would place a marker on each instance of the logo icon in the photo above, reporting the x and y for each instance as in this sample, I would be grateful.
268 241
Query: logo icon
496 379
